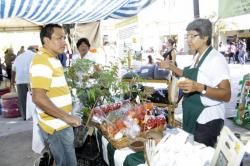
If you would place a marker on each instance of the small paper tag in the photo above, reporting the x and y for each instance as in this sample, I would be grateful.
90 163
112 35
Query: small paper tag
90 131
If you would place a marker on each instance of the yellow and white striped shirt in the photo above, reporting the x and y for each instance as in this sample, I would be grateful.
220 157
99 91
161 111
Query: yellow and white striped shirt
46 72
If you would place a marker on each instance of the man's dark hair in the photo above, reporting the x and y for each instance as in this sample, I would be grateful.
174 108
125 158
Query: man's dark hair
31 48
203 27
82 40
47 31
171 41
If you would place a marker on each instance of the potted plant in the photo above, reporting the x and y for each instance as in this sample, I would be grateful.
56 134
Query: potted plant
93 85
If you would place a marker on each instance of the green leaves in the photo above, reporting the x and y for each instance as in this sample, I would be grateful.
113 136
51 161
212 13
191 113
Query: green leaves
94 84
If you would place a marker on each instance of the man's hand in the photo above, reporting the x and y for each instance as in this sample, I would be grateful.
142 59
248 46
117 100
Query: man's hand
72 120
40 98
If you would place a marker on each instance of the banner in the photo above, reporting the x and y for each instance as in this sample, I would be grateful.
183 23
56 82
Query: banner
128 35
231 8
91 31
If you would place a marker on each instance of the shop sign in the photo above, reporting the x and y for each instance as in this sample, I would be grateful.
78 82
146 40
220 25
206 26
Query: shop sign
231 8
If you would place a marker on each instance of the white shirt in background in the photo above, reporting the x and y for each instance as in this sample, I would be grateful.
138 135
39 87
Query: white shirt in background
21 67
90 56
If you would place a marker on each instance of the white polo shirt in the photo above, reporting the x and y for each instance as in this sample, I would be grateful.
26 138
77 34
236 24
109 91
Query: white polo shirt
21 67
212 71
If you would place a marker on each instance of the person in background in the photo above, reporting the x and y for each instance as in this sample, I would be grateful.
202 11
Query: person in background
206 85
170 53
150 59
9 58
20 76
83 47
232 52
221 48
21 50
242 48
51 95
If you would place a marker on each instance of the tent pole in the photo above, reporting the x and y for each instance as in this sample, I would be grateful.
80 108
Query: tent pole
196 9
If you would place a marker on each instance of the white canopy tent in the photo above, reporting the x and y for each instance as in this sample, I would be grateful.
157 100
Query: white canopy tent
29 15
17 24
70 11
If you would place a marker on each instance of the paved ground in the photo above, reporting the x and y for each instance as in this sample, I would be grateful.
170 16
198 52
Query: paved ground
16 135
15 142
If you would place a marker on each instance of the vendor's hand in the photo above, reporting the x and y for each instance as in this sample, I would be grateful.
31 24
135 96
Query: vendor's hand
164 64
73 120
187 86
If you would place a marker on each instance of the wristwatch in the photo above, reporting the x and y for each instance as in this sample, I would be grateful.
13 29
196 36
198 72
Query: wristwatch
204 91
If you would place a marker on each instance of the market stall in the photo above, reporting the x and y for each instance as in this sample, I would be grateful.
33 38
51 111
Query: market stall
122 126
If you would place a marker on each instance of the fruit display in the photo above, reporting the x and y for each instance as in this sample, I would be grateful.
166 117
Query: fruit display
126 119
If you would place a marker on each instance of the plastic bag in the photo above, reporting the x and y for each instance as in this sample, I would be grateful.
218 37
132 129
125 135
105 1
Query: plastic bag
133 129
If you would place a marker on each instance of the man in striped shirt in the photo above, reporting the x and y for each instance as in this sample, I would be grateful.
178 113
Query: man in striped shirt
51 95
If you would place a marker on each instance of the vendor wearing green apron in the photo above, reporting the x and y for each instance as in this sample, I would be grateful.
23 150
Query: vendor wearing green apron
206 86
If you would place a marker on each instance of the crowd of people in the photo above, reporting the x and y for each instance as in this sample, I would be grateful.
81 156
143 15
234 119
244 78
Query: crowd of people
236 52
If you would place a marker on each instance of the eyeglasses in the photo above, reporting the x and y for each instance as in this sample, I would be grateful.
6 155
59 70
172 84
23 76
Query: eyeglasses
191 36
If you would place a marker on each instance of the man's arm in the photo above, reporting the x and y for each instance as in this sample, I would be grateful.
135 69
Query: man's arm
13 78
40 98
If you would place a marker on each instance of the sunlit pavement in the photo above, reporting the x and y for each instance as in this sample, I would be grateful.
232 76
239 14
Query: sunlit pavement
13 125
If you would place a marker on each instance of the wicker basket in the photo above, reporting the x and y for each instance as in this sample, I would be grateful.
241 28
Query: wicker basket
124 141
159 129
104 130
137 148
121 143
118 144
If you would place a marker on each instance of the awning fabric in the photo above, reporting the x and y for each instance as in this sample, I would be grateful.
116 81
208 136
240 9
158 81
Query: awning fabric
70 11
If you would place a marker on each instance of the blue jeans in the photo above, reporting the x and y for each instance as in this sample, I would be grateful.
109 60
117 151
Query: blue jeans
242 57
61 145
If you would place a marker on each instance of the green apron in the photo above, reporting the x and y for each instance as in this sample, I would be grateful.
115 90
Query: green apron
192 105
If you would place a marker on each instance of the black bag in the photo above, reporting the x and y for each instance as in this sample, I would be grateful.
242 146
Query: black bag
80 134
47 159
160 96
130 75
89 154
